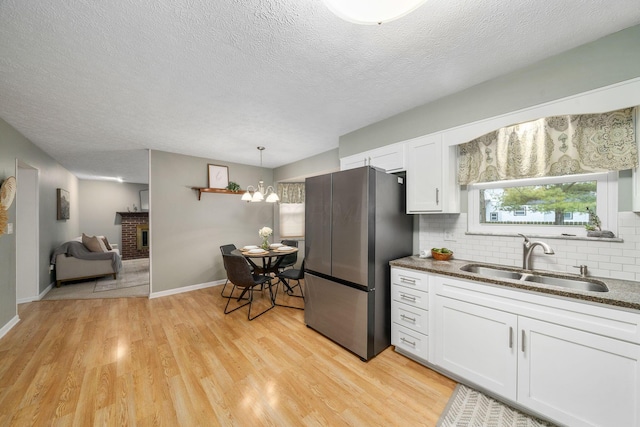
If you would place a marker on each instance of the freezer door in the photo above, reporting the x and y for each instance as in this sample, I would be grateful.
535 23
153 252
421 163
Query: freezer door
318 224
350 233
340 313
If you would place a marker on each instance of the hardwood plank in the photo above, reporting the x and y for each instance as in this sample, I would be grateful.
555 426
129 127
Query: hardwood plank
179 360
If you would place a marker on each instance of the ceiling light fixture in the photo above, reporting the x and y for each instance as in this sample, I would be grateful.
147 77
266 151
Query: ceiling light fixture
256 194
368 12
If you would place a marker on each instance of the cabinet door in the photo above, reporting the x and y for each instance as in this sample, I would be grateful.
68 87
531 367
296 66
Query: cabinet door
576 377
424 175
477 343
389 158
355 161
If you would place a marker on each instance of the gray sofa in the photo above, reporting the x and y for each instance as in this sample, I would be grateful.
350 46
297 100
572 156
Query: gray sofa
73 261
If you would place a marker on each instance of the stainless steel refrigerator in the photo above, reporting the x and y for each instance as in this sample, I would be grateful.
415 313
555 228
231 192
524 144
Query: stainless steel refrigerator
355 223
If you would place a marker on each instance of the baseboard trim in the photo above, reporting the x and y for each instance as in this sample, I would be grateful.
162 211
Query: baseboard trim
6 328
36 298
186 289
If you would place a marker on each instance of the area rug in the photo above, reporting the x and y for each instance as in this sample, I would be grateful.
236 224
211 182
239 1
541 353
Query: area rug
470 408
132 281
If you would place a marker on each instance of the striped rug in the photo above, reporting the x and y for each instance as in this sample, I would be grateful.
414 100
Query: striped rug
470 408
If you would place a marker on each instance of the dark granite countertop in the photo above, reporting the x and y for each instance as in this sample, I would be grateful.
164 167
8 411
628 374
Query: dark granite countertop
622 293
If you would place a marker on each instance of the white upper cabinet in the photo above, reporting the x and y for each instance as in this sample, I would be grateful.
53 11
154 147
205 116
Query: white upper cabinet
431 181
390 158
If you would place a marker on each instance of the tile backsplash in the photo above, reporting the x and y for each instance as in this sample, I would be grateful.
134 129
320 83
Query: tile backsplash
619 260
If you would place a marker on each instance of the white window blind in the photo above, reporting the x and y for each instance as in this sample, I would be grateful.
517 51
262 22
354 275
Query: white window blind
291 220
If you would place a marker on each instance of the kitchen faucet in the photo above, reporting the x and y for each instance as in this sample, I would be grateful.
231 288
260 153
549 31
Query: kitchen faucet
527 250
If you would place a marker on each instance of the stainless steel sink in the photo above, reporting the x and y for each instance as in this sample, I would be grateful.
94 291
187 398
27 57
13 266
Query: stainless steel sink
580 284
491 271
577 283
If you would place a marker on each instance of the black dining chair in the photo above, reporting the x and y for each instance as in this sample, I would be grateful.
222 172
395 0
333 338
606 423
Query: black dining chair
286 278
289 260
226 250
239 274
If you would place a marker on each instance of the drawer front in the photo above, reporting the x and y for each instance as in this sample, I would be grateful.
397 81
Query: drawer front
410 279
410 317
409 296
410 341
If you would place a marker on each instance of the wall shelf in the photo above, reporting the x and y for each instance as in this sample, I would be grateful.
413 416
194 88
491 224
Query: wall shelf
201 190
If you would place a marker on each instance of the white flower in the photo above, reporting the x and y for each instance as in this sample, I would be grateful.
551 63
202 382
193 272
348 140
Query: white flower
265 232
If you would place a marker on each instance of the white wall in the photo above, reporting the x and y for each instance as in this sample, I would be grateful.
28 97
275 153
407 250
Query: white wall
99 202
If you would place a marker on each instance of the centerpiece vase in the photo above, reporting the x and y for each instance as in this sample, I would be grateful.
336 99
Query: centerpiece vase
265 243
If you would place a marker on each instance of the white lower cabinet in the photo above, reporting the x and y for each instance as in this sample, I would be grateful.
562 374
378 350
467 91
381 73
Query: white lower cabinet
477 343
576 377
573 362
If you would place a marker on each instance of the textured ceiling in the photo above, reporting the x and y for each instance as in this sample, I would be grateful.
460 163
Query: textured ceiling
96 83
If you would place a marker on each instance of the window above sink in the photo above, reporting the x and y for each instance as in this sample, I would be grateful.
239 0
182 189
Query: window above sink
543 206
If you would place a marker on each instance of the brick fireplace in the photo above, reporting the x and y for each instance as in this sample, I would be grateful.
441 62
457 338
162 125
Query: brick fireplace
135 235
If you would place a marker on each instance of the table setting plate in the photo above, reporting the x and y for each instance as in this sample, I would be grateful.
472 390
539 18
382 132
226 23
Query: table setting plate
256 251
249 247
285 249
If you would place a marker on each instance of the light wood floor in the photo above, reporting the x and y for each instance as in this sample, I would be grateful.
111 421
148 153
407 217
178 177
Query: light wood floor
179 360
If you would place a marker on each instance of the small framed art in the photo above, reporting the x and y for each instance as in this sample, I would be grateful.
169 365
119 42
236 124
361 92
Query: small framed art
218 176
64 204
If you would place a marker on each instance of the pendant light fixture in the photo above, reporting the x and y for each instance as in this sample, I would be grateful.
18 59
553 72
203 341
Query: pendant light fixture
369 12
257 194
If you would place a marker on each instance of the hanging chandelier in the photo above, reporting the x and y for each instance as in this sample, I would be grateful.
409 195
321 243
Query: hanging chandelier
368 12
258 193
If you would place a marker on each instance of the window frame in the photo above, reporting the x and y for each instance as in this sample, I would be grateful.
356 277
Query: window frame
606 201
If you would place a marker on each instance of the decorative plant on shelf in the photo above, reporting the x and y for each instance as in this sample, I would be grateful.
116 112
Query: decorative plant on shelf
594 227
265 232
233 186
594 222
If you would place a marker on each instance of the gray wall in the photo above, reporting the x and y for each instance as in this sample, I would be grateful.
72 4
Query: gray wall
99 202
186 234
317 165
52 232
606 61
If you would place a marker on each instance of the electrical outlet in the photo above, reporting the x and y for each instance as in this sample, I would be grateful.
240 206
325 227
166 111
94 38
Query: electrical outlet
449 237
10 228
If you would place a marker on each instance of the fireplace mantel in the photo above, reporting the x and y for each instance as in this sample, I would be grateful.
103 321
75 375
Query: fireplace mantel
133 213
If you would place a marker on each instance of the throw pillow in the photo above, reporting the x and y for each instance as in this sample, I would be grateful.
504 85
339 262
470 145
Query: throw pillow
93 243
105 241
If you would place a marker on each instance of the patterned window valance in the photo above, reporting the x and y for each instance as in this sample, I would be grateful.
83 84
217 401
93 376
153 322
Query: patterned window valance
291 192
553 146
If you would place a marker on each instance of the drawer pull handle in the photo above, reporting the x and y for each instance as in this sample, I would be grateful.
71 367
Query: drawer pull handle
407 297
510 337
523 338
405 280
406 341
404 317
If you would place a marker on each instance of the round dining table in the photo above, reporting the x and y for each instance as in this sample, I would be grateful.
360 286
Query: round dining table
271 259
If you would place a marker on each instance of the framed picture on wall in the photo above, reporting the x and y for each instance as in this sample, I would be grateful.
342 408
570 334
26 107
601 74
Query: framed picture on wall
218 176
64 204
